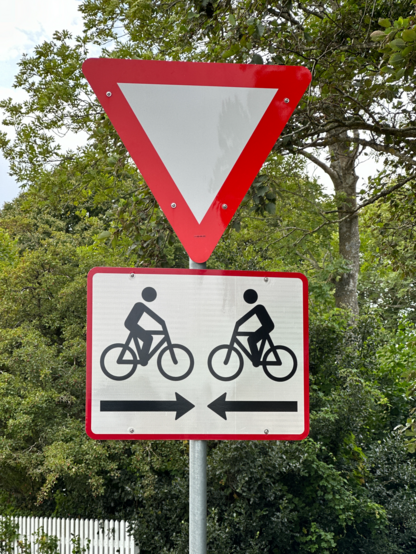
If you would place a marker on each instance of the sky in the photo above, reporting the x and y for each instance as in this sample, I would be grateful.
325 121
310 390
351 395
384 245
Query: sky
23 25
26 23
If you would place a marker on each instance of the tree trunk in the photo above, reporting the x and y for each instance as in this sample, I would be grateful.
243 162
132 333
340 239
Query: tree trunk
343 157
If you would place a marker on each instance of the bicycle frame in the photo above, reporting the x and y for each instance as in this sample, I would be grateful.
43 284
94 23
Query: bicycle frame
235 341
135 340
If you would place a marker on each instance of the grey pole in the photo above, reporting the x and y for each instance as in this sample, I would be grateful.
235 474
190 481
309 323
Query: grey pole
197 484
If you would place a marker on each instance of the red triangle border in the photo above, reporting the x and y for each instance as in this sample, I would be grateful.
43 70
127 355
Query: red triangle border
199 240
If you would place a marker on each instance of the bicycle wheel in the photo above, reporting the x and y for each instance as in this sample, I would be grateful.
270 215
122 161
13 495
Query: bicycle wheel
222 371
279 363
182 369
112 367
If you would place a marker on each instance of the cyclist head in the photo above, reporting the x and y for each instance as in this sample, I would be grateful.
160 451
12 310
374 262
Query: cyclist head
250 296
149 294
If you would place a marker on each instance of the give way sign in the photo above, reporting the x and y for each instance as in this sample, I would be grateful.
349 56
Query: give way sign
198 132
185 354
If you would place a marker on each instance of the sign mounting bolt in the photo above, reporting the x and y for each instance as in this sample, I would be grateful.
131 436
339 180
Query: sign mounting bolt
266 431
131 274
131 430
266 279
173 205
286 100
224 206
108 94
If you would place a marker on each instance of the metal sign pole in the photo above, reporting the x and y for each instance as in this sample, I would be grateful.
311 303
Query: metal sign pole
197 484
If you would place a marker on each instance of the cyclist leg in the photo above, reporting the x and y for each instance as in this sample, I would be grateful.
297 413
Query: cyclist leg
253 341
147 338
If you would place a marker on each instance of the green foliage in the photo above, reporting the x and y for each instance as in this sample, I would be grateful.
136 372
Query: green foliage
403 354
46 544
301 503
8 250
8 534
393 222
398 45
77 547
42 359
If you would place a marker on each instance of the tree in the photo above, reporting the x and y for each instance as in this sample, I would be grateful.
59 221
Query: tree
42 358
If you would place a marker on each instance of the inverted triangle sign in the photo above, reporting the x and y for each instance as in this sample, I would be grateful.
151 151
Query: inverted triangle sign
199 133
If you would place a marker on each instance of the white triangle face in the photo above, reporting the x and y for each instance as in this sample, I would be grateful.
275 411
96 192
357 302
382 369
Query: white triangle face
199 132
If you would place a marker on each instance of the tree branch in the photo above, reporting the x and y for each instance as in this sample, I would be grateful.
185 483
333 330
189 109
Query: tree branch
319 163
386 150
381 194
310 12
286 15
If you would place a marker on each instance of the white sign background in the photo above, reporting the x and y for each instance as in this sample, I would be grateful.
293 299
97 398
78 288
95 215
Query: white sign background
212 138
200 309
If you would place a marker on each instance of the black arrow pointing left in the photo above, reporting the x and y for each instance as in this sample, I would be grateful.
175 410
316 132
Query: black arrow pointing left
181 406
221 406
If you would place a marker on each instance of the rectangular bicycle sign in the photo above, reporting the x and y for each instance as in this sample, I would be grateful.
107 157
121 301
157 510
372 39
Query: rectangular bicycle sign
197 354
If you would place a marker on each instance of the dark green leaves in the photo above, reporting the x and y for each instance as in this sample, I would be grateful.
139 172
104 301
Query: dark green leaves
257 59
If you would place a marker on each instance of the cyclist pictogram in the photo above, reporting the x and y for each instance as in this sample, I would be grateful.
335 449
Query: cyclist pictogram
120 360
226 362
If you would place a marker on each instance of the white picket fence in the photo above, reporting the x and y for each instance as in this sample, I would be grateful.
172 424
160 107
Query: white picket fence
106 536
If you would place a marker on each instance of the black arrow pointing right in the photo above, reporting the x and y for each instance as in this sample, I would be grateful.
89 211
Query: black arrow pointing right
181 406
221 406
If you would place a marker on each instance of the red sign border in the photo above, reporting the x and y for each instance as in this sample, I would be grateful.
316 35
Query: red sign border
199 240
125 436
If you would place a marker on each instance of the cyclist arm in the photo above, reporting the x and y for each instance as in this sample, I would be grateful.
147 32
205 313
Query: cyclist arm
243 319
156 318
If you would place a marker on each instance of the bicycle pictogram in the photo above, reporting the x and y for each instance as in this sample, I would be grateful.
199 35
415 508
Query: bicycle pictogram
119 361
279 363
